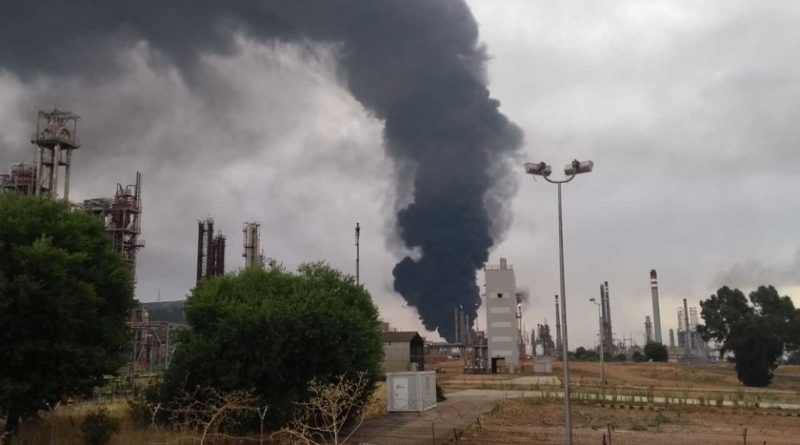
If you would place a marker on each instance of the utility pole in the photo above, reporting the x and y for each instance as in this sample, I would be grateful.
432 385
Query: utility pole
358 235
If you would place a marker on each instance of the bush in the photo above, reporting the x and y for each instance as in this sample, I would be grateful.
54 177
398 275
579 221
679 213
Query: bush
655 352
273 332
99 426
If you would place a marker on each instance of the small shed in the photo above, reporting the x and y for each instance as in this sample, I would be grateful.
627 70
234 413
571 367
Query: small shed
542 365
410 391
403 351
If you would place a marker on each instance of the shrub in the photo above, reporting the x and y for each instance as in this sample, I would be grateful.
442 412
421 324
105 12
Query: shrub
655 352
99 426
440 393
256 328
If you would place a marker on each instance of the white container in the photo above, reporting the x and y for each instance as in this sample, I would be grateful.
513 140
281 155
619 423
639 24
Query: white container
410 391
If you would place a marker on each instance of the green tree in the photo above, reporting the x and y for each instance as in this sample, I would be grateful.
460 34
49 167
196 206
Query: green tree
758 334
64 299
274 332
637 356
721 312
655 352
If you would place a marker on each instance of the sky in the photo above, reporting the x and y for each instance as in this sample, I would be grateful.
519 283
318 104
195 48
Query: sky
688 110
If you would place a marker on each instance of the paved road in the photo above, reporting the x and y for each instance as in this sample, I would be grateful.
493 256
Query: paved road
434 426
461 409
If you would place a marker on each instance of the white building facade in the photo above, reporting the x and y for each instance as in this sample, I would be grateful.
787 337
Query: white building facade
501 314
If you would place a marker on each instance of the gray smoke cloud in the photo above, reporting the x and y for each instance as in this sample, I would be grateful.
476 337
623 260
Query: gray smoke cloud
417 65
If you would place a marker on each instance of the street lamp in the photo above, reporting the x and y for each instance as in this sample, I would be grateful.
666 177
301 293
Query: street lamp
570 170
602 364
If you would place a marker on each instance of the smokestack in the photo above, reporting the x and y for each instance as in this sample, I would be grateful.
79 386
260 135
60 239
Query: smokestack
558 328
358 254
457 334
671 338
608 305
656 310
604 317
200 250
687 332
252 245
609 328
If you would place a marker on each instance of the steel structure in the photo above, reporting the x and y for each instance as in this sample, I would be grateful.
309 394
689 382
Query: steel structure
21 179
55 139
210 251
154 342
121 216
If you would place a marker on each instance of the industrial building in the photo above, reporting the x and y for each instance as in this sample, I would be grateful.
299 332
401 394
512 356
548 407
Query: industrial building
691 345
55 139
403 351
20 179
501 310
464 334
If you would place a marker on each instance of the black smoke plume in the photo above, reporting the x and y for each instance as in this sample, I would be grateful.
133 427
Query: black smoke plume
416 64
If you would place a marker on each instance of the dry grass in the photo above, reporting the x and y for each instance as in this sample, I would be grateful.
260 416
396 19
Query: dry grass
523 421
64 426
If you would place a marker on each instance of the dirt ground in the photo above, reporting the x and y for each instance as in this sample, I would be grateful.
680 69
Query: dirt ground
525 421
710 381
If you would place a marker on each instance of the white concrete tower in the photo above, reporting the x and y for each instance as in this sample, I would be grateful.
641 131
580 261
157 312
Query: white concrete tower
501 307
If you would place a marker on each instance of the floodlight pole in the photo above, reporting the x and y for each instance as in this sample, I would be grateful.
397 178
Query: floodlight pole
571 170
564 340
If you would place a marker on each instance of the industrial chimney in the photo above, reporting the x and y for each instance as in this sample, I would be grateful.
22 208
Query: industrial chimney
656 311
252 245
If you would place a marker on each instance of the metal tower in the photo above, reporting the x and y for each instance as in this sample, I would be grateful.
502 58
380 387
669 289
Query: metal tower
55 139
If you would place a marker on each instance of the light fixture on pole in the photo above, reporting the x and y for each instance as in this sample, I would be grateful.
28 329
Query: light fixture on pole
570 170
602 363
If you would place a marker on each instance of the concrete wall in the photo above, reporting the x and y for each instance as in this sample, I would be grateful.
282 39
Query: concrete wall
501 307
396 356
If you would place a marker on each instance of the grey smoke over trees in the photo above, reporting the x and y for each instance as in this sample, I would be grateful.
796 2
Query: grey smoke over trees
416 65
